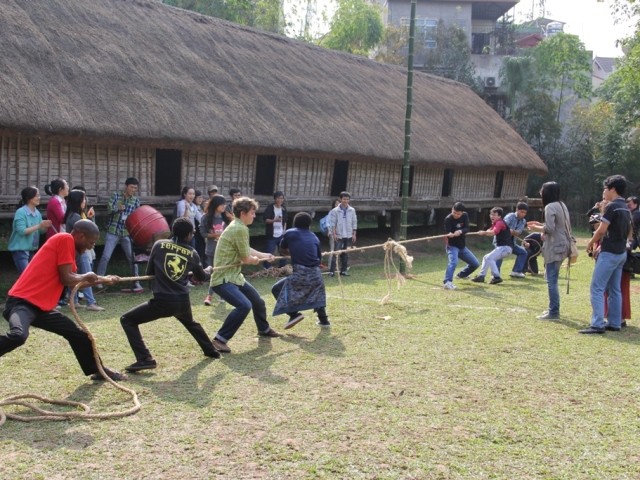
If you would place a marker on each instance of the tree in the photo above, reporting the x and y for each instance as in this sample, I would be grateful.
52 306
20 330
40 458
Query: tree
264 14
450 56
563 62
356 27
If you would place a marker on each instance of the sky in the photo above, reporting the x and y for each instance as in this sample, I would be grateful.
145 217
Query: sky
590 20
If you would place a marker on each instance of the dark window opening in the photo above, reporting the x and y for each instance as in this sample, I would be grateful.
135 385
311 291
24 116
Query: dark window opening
168 172
447 182
497 190
339 180
265 174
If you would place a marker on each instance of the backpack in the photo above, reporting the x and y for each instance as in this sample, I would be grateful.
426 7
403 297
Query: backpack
324 225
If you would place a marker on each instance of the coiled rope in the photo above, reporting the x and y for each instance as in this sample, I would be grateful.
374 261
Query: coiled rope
85 412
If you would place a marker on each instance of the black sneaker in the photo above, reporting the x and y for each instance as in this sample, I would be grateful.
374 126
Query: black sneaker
592 330
142 365
478 279
495 280
112 374
323 324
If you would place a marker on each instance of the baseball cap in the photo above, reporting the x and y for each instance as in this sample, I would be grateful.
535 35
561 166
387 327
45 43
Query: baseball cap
212 188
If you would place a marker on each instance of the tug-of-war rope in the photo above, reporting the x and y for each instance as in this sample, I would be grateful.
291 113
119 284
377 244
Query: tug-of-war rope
83 411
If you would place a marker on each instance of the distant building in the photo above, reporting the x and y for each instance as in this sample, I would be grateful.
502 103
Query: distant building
602 67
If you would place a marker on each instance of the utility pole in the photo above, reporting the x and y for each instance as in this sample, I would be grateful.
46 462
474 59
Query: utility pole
407 132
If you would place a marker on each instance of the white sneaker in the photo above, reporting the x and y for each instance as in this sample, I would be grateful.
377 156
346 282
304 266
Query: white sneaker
449 286
94 308
517 274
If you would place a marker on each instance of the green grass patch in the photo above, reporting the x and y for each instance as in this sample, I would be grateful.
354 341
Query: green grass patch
435 384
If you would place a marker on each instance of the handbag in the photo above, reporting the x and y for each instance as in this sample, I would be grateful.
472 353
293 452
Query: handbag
573 247
573 254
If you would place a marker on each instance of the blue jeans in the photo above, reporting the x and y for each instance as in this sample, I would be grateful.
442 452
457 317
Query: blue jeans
552 272
244 298
520 265
110 243
84 266
606 277
341 244
273 244
464 254
21 259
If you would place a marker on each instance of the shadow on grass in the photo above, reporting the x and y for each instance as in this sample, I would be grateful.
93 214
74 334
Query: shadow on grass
324 343
257 362
630 334
186 388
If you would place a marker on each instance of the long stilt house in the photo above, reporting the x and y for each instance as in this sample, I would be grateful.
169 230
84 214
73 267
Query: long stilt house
97 91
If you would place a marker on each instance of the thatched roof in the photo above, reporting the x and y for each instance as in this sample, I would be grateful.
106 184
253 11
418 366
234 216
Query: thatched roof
138 70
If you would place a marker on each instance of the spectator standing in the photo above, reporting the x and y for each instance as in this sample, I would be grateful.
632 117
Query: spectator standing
613 233
28 225
58 189
200 240
211 228
557 243
275 224
186 208
234 194
120 206
233 250
76 205
343 223
634 206
456 226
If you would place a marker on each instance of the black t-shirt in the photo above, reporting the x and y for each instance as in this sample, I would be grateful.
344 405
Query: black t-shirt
618 216
452 225
170 263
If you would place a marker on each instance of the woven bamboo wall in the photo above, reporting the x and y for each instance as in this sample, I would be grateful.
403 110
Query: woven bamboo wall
224 169
473 184
514 185
427 182
304 177
374 180
101 169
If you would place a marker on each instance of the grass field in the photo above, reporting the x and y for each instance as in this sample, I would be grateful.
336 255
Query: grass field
435 384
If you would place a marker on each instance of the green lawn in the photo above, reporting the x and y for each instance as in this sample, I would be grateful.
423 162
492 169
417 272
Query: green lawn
434 384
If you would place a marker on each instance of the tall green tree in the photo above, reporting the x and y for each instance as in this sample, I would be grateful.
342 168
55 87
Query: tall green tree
264 14
356 27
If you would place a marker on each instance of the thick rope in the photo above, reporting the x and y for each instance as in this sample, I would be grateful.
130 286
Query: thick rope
85 413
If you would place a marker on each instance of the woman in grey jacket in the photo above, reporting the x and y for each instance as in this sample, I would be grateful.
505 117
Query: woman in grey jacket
556 247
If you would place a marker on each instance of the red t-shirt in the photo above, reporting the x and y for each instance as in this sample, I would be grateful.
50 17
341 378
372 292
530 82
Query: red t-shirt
40 283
